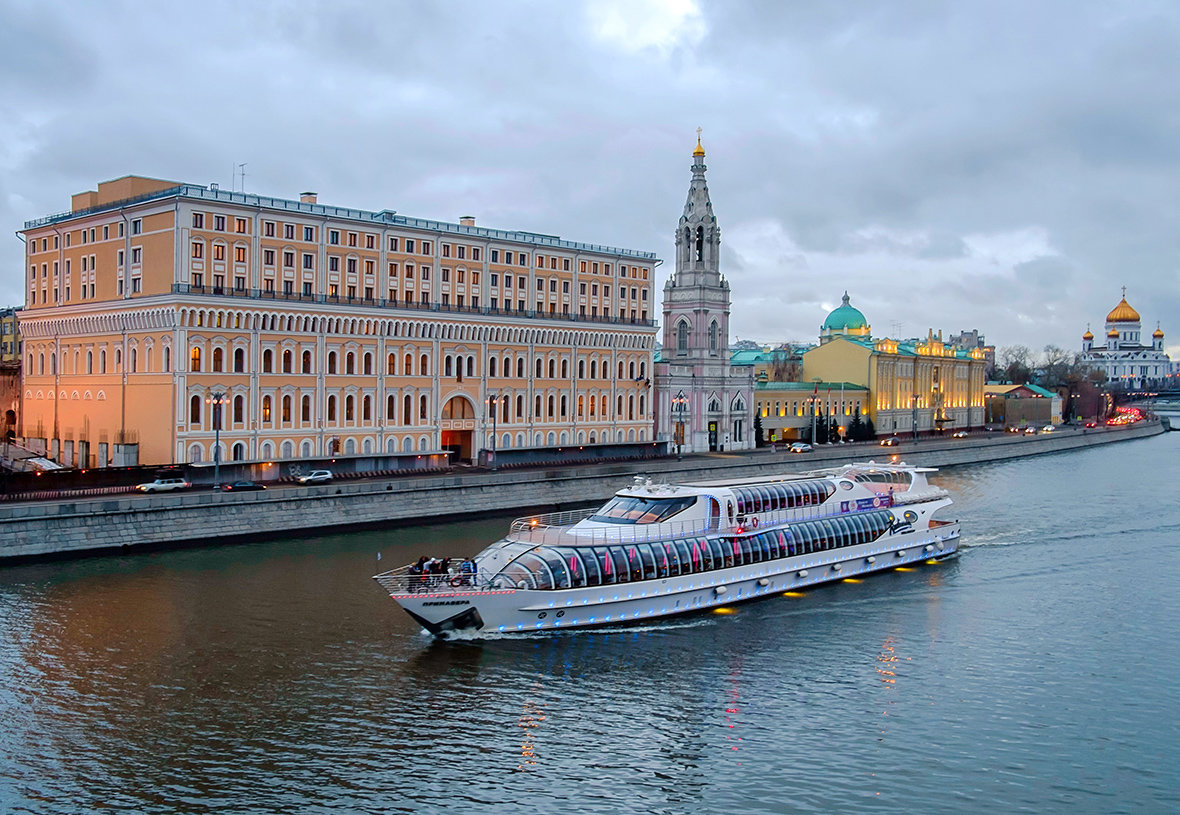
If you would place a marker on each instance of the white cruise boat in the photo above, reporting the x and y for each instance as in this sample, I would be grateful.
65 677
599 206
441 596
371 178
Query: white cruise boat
657 550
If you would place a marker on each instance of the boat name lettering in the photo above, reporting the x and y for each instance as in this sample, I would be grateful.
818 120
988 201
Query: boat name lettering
447 603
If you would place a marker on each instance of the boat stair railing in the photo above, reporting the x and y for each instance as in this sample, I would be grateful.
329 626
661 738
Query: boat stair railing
404 581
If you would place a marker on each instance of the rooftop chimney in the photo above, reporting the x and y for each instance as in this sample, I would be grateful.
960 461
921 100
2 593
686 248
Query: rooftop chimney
307 197
213 185
466 220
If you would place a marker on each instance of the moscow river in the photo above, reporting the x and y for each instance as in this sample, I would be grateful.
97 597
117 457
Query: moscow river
1037 672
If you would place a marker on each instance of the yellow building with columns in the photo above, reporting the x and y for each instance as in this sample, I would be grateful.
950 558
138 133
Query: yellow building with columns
917 386
328 330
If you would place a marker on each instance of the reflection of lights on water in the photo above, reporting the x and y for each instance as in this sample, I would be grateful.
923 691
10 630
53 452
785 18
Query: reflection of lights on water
793 594
852 580
904 569
723 610
530 720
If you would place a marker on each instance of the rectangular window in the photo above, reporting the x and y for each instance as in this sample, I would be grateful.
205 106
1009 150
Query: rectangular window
475 253
369 241
239 283
462 252
268 229
334 237
240 226
198 250
309 234
409 271
289 260
446 275
368 268
393 270
137 226
565 264
524 261
446 299
218 224
198 220
368 292
307 288
425 273
475 278
268 285
333 263
352 292
289 232
426 247
495 256
67 236
565 287
446 250
239 254
308 261
118 256
495 279
135 284
507 281
393 244
288 287
507 258
136 254
352 239
495 303
268 257
409 245
218 252
352 265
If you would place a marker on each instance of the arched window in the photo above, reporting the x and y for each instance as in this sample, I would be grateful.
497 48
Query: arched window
194 410
102 360
565 369
306 362
268 361
491 366
540 362
239 410
349 404
700 248
392 366
349 363
331 408
368 364
424 366
90 361
447 366
682 336
367 409
552 369
288 362
713 336
266 409
390 404
331 362
167 359
520 368
519 407
218 360
594 369
408 367
134 359
406 409
471 366
581 369
239 452
194 360
239 360
422 407
305 409
286 409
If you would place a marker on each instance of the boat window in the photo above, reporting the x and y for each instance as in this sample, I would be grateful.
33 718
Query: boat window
702 558
634 564
756 496
714 513
556 573
572 560
683 557
517 576
626 509
740 495
649 560
605 564
621 572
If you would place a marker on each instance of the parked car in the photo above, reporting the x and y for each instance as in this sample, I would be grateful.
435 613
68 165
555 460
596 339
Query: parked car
164 485
1030 431
1012 429
959 434
799 447
243 486
892 441
1091 424
316 477
1048 428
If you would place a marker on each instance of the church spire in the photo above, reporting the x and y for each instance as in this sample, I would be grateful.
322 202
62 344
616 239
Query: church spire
698 238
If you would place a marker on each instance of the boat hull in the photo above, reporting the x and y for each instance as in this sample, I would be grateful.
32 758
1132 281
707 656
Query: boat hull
509 611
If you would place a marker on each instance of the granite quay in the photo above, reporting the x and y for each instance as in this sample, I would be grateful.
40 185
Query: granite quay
54 528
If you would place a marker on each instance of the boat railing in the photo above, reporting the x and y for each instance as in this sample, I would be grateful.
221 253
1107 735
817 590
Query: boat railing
551 519
563 535
404 581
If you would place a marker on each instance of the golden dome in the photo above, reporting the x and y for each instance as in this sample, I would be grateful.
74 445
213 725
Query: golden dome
1112 333
1087 335
700 151
1157 333
1123 313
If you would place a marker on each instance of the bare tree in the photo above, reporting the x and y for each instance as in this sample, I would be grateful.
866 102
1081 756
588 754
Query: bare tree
1015 363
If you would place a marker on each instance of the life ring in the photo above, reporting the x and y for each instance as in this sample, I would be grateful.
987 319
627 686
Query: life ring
753 523
456 581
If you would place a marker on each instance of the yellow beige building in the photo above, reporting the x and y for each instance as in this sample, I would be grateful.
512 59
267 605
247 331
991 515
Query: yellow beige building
322 330
917 386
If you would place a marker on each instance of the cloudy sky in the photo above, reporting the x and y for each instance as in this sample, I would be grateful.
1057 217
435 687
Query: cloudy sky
1000 166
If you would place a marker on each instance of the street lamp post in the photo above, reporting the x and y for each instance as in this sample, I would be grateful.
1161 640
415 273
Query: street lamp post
492 408
216 400
679 401
915 413
814 409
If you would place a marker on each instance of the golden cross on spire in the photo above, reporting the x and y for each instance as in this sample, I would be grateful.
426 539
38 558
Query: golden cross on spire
1124 287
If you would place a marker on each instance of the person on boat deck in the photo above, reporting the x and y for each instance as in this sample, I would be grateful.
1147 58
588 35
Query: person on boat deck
467 570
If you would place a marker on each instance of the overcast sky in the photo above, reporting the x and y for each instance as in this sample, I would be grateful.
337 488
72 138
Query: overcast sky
1000 166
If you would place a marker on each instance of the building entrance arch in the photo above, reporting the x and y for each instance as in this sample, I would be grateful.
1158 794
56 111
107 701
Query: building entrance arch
457 423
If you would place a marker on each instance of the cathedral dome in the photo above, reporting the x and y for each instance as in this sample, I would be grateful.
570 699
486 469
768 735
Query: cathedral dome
699 151
1113 333
1087 335
1123 313
1158 333
844 318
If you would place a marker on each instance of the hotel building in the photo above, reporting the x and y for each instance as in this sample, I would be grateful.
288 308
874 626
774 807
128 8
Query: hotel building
158 313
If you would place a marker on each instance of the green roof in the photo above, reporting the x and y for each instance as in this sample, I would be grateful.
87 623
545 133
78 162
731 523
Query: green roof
808 387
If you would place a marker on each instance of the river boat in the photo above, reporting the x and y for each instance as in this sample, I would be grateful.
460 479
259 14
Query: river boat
657 550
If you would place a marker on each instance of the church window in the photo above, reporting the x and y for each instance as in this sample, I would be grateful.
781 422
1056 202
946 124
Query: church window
700 250
682 337
713 337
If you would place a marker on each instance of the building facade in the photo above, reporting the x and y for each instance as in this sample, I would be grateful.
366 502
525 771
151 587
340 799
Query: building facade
917 386
162 316
1128 362
704 402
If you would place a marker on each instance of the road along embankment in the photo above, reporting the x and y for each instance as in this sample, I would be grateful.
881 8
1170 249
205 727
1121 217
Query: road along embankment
55 528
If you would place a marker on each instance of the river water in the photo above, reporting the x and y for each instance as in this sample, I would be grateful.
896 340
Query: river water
1037 672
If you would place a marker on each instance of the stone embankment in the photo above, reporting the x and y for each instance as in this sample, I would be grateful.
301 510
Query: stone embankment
51 528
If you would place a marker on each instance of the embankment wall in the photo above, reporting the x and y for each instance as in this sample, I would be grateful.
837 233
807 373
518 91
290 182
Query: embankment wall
54 528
